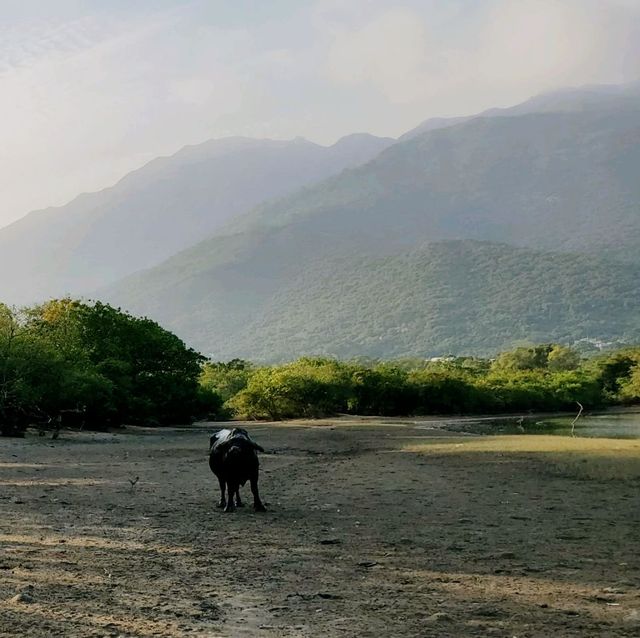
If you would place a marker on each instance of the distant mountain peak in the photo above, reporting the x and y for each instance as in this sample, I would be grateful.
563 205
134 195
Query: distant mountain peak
359 138
566 99
163 207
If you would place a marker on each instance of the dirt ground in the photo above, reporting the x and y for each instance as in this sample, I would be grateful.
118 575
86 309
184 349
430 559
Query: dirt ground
365 536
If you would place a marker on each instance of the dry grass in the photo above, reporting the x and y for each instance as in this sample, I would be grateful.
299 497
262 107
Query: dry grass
593 458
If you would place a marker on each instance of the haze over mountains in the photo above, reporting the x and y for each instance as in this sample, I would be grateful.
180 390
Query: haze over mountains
559 180
568 100
163 207
465 236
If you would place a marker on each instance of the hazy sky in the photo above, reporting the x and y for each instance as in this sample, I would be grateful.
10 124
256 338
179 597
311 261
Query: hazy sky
90 89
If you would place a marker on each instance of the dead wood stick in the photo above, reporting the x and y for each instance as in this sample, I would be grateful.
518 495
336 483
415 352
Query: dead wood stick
573 423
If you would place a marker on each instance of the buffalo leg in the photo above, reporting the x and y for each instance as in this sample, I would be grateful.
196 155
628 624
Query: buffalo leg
239 502
257 503
231 490
223 500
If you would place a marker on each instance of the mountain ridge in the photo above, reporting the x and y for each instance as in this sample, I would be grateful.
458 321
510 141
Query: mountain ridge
547 182
461 296
159 209
566 99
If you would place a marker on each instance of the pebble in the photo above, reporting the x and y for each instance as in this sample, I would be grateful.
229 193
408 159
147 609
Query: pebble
22 597
439 616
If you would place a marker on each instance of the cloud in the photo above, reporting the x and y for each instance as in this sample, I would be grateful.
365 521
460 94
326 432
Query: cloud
391 53
505 50
95 90
81 108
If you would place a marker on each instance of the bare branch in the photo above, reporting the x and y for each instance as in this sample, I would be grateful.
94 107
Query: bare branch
573 424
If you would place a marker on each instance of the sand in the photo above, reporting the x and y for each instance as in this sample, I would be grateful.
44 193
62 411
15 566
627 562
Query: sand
372 530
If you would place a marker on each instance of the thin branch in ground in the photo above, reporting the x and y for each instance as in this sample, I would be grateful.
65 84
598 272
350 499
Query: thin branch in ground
573 423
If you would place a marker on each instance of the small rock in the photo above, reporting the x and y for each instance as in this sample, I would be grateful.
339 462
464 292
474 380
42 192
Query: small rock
367 563
439 616
22 597
330 541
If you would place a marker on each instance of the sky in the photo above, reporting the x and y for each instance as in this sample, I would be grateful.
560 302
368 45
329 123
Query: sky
92 89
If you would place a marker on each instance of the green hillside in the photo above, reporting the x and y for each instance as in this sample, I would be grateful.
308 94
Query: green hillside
449 297
295 275
553 181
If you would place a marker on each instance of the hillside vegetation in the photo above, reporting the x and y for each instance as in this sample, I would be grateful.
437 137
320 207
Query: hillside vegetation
466 236
343 267
448 297
553 181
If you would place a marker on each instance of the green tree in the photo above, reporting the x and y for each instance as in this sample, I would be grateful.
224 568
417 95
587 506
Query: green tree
562 358
630 387
524 358
304 388
31 376
226 379
126 369
615 369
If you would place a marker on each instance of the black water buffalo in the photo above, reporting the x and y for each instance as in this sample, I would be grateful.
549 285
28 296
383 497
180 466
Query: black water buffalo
233 459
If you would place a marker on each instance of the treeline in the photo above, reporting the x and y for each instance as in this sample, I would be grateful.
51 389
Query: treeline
540 378
109 368
99 363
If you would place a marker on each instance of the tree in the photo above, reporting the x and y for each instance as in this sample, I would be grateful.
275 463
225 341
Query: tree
562 358
31 376
614 370
630 387
522 358
226 379
304 388
125 368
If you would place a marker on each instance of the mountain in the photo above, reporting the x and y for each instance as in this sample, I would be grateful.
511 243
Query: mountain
162 208
556 181
612 97
563 182
457 296
447 297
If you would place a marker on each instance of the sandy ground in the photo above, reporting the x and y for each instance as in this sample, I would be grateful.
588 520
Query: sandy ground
362 538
